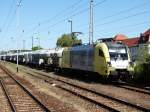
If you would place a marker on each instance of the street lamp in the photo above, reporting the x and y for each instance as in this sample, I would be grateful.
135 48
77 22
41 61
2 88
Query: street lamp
70 21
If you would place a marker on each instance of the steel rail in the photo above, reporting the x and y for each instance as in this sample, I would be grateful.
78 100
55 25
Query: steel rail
89 99
92 91
8 97
132 85
80 95
25 89
98 93
133 89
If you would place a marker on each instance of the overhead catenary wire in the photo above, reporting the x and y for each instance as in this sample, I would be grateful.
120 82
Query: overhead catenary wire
66 19
126 10
9 13
13 14
57 15
97 25
9 19
112 21
122 27
123 18
73 15
119 19
12 17
127 26
118 13
61 12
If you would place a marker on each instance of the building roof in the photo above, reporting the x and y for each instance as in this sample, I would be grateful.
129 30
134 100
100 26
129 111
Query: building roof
145 37
146 33
120 37
131 41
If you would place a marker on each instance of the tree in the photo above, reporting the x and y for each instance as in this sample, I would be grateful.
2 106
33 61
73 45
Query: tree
36 48
68 41
142 70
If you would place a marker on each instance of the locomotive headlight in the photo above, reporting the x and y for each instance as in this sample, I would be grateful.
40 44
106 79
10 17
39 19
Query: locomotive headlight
109 64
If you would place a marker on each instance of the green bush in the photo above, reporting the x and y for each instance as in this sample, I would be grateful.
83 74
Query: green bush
142 71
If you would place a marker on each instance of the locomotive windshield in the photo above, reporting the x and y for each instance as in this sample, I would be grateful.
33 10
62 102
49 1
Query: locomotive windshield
118 53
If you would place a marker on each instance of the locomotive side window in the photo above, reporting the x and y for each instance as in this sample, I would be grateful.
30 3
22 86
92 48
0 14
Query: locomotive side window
101 53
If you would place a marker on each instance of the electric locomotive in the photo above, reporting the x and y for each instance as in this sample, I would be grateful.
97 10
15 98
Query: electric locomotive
109 59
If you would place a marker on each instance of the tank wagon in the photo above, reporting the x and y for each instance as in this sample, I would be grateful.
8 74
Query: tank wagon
37 58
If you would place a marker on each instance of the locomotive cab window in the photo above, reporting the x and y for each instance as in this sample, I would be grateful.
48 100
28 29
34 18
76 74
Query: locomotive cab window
101 53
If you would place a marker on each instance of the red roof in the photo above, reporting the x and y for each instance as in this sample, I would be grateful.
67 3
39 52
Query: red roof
131 42
145 37
146 33
120 37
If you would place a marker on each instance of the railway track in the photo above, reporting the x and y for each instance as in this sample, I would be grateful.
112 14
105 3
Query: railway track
17 97
5 106
108 102
132 88
129 86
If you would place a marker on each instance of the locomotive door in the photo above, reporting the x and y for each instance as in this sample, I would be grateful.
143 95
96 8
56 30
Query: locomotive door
100 62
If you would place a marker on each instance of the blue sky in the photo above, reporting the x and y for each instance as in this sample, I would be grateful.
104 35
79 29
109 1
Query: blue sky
48 20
